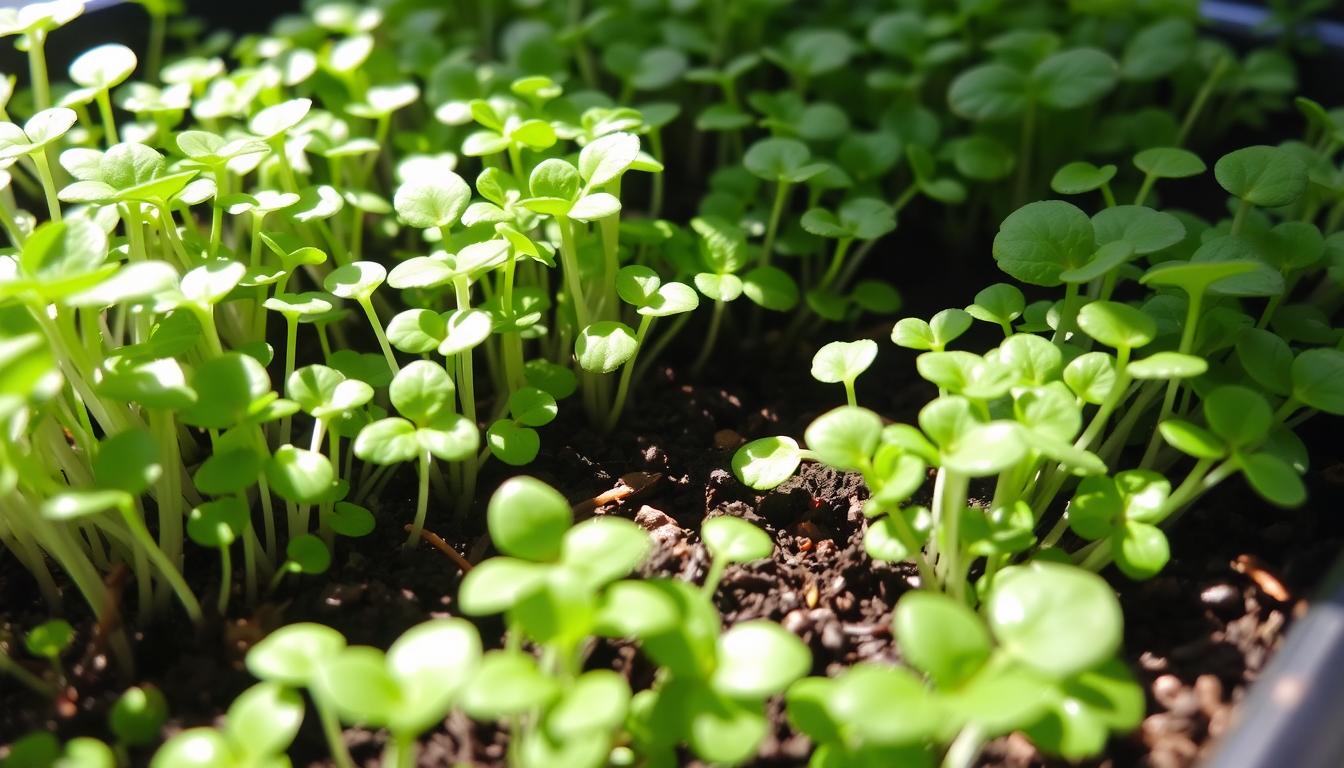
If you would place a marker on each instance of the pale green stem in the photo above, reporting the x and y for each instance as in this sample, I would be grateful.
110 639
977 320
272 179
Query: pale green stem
627 371
715 321
291 349
850 397
226 580
37 70
161 561
399 751
1145 188
377 326
1169 399
105 113
1108 195
48 183
837 260
36 684
422 500
715 574
965 749
950 505
655 352
1201 98
1238 219
331 731
928 577
512 342
1067 313
169 497
772 227
569 260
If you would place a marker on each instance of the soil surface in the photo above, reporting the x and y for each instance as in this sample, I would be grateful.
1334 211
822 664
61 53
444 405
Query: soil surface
1196 636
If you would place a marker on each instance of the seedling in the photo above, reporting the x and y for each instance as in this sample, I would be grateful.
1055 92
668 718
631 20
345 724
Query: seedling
714 686
217 524
49 641
305 553
38 132
422 393
407 690
97 71
291 656
731 540
551 583
1068 79
1064 687
42 748
783 162
723 253
258 728
137 718
841 362
34 22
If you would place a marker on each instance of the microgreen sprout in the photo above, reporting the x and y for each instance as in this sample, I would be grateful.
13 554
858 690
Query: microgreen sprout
137 717
731 540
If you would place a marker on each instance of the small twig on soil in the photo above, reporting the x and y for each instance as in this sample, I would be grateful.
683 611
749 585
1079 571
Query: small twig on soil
443 547
1251 566
631 483
111 621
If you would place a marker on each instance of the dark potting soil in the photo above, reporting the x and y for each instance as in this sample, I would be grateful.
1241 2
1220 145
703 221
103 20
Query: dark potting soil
1196 636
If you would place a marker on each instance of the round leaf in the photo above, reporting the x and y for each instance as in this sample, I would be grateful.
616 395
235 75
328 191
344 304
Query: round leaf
1274 479
765 463
439 202
605 548
195 748
607 157
421 391
1116 325
843 361
513 443
605 346
350 520
300 475
291 654
759 659
528 519
734 540
264 719
1055 618
507 683
1040 240
356 280
138 715
1262 175
1318 379
218 523
940 636
1143 550
844 438
1238 414
307 554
